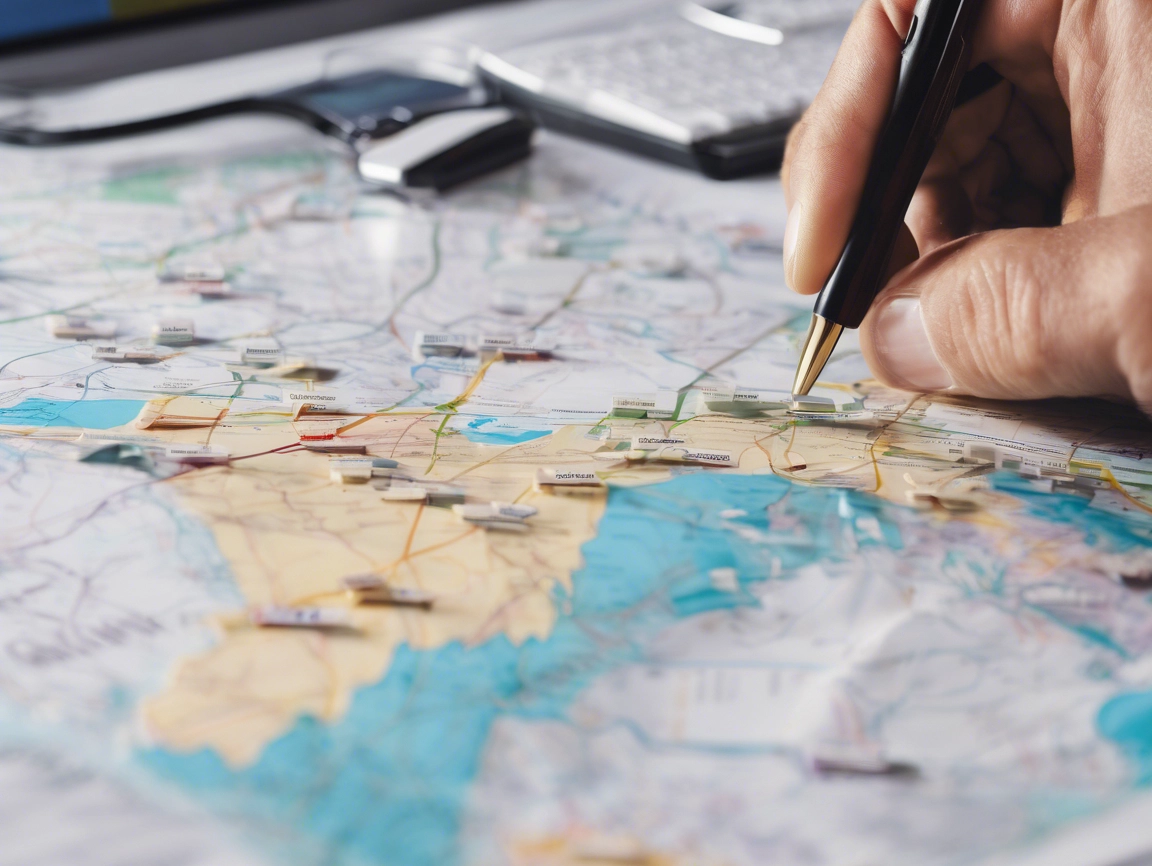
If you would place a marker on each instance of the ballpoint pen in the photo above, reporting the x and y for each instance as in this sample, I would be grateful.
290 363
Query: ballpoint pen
934 60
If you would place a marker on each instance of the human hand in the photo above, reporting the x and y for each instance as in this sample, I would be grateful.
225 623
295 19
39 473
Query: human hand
1026 267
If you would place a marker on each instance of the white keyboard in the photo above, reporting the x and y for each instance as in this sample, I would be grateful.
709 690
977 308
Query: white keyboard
690 76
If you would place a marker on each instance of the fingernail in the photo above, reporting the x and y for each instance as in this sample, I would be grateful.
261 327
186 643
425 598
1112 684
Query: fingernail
790 229
902 347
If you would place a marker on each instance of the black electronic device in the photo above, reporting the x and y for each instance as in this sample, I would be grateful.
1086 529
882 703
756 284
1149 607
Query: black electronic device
714 88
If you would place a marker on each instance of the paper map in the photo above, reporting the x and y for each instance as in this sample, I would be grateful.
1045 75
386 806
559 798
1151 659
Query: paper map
886 630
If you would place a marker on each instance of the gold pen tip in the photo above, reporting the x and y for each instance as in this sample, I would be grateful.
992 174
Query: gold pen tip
818 346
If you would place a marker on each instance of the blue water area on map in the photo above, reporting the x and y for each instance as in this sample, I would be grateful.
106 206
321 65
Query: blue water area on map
1107 528
387 783
1127 718
1127 721
1101 527
92 414
483 431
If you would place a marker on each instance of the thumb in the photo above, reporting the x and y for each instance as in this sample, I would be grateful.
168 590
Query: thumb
1023 313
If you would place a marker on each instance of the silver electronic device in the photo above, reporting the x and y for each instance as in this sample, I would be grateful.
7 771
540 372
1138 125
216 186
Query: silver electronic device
711 87
447 149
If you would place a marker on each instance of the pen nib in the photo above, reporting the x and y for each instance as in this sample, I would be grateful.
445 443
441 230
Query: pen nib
818 346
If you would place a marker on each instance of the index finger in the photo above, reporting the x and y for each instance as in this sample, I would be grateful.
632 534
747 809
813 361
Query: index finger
828 153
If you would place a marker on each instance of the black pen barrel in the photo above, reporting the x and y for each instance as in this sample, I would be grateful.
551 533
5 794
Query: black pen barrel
934 61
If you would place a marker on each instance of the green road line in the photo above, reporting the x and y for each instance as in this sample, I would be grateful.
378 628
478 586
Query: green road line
436 444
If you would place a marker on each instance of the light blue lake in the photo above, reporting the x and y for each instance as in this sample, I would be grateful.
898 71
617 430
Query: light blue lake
92 414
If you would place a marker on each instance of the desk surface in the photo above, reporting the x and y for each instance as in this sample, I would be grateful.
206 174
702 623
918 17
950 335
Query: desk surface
907 631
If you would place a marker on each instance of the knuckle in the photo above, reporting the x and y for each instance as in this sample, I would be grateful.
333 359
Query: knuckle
1130 278
997 325
1025 342
1132 281
1045 312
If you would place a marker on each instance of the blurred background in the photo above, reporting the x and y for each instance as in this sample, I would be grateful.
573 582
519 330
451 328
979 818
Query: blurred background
712 87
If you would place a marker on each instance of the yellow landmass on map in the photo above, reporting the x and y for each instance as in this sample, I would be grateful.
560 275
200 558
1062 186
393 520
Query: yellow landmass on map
589 849
291 535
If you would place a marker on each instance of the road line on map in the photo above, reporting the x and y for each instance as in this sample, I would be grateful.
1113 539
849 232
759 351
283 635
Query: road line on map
303 182
61 310
244 228
1076 446
450 408
317 643
404 432
708 370
767 453
412 531
4 366
383 413
1117 486
568 299
488 462
883 427
434 272
484 631
410 555
432 548
436 434
477 378
239 387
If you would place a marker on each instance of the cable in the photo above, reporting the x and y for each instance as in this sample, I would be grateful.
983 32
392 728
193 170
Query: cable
427 64
292 103
27 136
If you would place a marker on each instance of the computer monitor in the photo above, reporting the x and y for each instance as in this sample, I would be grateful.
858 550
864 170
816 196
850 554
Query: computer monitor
48 44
